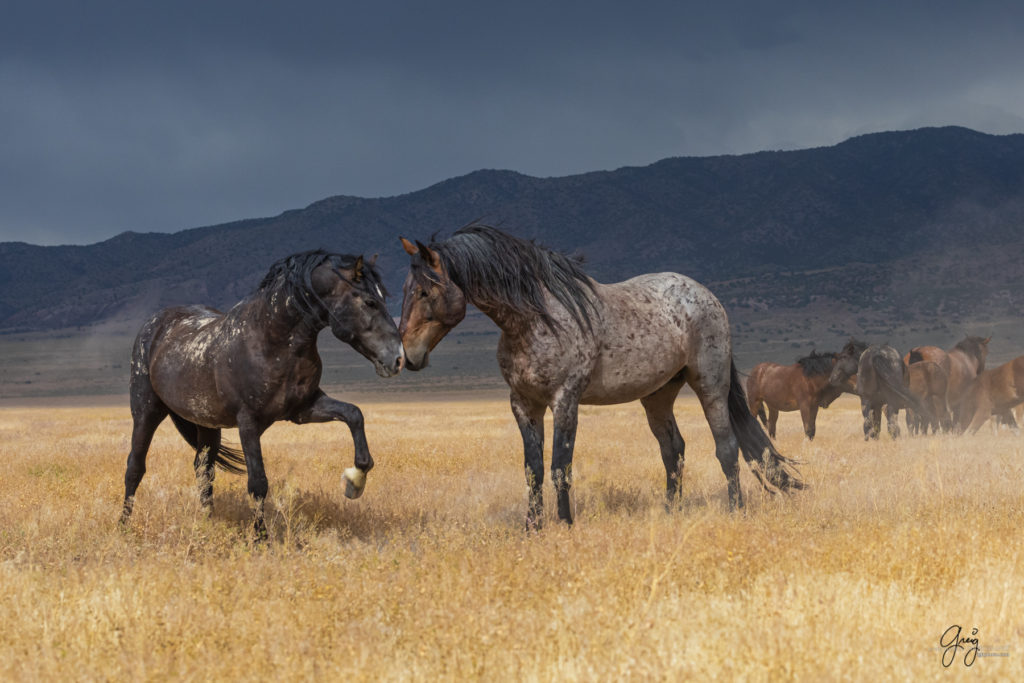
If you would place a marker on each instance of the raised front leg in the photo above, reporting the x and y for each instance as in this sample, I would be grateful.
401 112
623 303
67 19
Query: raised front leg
249 432
530 418
326 409
565 413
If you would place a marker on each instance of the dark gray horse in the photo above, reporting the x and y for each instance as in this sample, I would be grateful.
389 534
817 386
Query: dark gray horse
882 381
567 339
255 365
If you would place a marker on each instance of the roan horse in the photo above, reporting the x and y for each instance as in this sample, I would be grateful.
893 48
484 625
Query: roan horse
257 364
567 339
882 381
803 386
994 392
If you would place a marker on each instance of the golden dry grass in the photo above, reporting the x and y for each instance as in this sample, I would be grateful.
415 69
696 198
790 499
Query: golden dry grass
431 575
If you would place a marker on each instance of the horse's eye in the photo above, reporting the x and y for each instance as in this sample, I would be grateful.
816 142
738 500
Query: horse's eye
423 294
372 303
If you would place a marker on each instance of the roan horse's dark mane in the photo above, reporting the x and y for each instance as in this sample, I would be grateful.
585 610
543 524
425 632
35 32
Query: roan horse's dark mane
817 364
493 267
294 275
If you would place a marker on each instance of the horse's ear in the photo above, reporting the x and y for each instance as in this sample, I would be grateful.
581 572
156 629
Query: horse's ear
357 270
987 340
432 258
373 260
409 247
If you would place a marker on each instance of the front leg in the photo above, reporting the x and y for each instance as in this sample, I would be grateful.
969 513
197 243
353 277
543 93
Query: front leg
530 418
249 432
325 409
565 411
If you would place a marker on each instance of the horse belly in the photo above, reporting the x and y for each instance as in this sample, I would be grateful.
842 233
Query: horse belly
630 375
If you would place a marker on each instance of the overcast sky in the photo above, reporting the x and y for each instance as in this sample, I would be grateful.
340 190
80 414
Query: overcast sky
152 116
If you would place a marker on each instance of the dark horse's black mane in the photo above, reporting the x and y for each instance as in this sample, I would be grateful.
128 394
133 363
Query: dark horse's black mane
494 267
294 275
973 346
816 364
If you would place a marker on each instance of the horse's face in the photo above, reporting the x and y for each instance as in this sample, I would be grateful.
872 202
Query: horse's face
359 317
431 304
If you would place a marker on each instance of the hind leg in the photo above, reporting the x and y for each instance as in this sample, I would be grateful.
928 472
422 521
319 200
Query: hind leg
872 419
662 422
891 420
147 414
714 399
208 444
773 419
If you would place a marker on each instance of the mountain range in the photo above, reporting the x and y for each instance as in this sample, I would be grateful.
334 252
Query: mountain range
890 233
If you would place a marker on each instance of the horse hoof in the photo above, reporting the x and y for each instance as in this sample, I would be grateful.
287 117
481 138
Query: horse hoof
355 482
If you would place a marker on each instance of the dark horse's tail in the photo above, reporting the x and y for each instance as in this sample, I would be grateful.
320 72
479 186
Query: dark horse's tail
226 458
887 374
767 464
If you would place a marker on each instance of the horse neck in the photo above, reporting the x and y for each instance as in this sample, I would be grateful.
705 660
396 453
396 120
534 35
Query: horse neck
275 317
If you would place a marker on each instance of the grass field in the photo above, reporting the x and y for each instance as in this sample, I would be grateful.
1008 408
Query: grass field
431 575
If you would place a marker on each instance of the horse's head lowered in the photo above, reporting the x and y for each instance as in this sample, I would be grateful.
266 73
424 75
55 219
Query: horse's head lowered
431 304
844 372
345 293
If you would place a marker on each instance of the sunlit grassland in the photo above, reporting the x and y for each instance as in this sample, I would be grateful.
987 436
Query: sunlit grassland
432 575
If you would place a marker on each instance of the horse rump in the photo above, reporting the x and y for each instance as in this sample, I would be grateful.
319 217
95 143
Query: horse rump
758 450
226 458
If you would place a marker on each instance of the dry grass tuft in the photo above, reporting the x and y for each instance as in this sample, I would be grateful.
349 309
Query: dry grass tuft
431 574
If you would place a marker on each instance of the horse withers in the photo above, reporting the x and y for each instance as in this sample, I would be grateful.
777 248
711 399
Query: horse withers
803 386
567 339
257 364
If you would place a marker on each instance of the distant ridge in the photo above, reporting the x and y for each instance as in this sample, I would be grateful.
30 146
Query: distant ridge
909 227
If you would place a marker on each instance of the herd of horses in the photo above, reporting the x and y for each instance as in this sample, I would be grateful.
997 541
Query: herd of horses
566 340
940 390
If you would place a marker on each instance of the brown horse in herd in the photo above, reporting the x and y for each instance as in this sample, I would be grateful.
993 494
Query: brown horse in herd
929 384
961 364
995 392
803 386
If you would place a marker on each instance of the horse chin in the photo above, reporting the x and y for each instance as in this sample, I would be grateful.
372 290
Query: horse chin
384 371
410 364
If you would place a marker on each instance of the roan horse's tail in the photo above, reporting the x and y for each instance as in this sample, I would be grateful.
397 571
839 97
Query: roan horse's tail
767 464
226 458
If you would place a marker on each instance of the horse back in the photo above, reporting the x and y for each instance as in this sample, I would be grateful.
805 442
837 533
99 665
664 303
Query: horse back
651 328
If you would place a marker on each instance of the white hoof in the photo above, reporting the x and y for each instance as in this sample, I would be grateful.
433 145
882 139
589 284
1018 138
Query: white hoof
355 482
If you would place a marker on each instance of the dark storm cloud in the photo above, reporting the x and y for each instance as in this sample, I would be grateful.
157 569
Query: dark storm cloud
129 116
